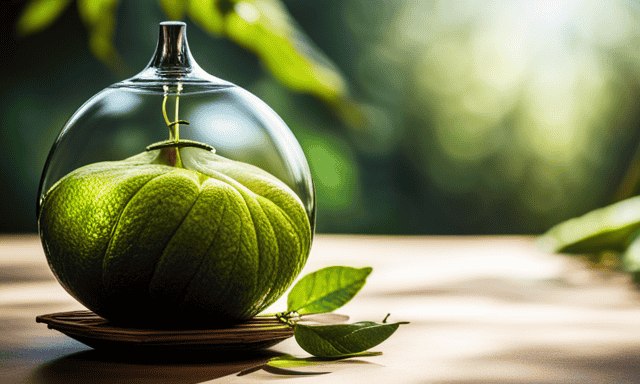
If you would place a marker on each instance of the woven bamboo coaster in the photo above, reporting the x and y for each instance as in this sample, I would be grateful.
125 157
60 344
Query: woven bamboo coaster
259 332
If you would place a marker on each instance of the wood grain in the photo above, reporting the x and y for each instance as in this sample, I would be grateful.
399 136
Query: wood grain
87 327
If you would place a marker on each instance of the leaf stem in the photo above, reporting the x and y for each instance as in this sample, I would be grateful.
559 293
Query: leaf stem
287 317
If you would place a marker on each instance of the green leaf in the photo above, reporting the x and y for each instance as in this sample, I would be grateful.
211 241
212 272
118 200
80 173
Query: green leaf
631 256
281 364
326 290
207 15
289 361
266 28
174 9
344 339
606 229
40 14
99 16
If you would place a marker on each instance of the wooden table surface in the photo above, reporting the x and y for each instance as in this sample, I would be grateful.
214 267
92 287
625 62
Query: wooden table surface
482 310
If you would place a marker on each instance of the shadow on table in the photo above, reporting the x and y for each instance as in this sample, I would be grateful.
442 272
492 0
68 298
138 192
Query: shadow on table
553 291
555 366
99 367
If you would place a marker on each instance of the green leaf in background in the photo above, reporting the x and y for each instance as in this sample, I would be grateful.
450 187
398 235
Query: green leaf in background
326 290
344 339
606 229
40 14
174 9
266 28
631 256
99 17
207 15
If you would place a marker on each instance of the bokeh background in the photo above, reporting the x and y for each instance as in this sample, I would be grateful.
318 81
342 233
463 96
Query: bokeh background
431 117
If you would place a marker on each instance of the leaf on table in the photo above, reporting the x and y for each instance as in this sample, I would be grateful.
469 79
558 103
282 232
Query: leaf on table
37 15
289 361
342 340
279 371
606 229
326 290
282 364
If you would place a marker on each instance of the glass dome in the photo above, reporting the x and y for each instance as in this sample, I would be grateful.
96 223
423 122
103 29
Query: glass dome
174 98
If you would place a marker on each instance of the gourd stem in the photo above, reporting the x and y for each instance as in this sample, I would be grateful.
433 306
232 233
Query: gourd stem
174 128
176 120
164 113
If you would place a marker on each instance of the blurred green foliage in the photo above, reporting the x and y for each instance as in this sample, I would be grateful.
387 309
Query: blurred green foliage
607 238
261 26
38 15
438 116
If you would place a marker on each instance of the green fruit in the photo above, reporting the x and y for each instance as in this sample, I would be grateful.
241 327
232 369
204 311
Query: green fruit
141 241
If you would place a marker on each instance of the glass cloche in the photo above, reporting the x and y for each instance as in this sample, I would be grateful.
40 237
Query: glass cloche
126 117
175 115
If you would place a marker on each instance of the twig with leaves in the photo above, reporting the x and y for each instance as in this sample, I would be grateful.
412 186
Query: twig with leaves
324 291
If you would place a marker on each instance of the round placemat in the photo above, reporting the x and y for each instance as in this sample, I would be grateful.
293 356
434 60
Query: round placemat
259 332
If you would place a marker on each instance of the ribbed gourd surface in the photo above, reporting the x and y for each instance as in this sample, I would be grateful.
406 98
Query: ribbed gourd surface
141 242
